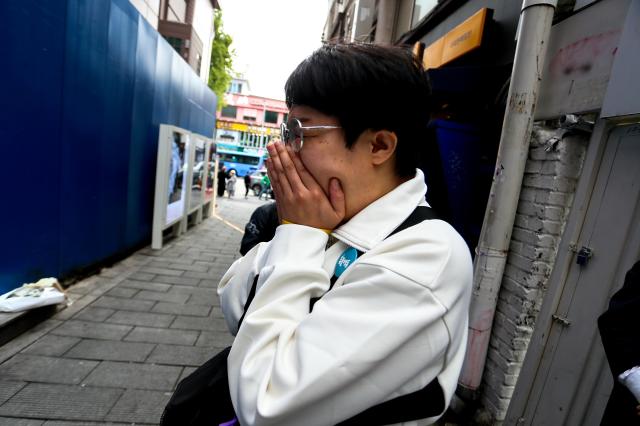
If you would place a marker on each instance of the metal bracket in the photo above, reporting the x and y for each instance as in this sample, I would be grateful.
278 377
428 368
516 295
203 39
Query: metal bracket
529 3
561 320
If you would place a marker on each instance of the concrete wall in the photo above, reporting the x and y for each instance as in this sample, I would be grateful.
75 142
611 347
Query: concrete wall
549 184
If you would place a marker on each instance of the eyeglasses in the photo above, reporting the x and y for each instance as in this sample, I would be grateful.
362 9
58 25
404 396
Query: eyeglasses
292 133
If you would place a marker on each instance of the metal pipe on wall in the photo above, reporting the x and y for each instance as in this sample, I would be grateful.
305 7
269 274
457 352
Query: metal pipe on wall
386 19
534 28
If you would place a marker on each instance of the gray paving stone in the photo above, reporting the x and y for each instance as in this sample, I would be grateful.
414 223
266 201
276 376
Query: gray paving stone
197 291
179 266
12 421
142 276
217 339
185 260
216 312
92 330
186 372
139 406
92 313
78 304
111 351
51 345
181 355
180 309
195 267
161 271
134 376
8 389
143 285
113 272
123 292
124 304
160 335
64 402
198 275
176 280
212 283
141 318
211 300
197 323
33 368
27 338
162 297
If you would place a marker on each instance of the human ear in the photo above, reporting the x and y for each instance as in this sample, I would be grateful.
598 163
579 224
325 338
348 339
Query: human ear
383 145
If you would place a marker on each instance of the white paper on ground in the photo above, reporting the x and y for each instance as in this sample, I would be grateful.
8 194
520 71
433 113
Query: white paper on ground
45 292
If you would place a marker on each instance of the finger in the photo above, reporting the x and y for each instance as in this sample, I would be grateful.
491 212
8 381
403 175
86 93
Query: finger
307 179
290 170
278 169
336 197
273 177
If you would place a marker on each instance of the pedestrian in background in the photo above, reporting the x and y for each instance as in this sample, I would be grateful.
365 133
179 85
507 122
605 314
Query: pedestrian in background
231 184
222 180
266 187
247 185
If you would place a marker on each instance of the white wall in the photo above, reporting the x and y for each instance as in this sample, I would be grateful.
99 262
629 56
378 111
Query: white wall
203 25
149 9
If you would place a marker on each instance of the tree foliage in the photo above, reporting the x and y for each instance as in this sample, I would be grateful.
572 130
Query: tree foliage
221 68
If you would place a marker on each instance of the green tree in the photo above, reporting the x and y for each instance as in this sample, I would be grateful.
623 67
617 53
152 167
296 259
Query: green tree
221 68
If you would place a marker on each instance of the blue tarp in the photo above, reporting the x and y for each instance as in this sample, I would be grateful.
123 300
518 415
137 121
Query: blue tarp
85 86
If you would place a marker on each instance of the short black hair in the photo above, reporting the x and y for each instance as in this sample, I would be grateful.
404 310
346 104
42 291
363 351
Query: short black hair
368 87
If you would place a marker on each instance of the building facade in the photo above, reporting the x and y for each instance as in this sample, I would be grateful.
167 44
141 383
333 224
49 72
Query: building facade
574 235
380 21
187 25
247 123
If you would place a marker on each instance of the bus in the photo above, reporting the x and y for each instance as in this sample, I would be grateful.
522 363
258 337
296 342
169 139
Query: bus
243 160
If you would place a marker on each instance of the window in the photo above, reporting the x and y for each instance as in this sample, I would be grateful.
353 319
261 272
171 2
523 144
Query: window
229 111
235 87
239 158
198 63
176 43
420 9
271 117
248 118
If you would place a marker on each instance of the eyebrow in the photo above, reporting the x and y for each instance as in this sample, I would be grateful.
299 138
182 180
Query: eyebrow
301 119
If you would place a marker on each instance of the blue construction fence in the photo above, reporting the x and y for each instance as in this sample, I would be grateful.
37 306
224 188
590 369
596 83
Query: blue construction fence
86 84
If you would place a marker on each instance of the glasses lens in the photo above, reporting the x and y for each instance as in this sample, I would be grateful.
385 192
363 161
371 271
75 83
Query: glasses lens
295 134
284 133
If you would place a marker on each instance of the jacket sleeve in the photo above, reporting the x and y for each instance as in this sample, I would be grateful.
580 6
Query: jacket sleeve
233 289
363 341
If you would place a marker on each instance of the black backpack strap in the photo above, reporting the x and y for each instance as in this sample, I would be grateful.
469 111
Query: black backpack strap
423 403
420 214
252 294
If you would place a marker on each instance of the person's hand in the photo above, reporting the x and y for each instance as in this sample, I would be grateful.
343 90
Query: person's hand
299 197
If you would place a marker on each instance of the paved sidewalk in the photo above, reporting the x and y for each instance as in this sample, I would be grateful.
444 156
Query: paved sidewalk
115 355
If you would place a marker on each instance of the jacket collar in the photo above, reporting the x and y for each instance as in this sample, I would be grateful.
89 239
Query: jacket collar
376 221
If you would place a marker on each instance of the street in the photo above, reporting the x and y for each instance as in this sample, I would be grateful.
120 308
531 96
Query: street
132 332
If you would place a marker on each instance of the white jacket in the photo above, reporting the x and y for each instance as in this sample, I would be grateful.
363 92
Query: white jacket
395 320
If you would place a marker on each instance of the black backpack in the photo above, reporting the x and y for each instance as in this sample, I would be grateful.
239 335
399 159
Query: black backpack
203 397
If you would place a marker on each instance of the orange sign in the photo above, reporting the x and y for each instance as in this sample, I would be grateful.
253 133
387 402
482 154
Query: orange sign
433 54
231 126
462 39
